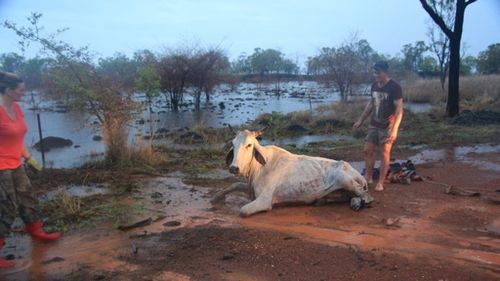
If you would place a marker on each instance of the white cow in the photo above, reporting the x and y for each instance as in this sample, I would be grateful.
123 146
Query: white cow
278 176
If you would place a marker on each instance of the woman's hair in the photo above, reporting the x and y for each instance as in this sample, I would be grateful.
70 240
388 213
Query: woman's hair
8 80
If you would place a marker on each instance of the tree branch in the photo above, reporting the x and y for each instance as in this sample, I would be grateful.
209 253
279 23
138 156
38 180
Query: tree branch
437 19
469 2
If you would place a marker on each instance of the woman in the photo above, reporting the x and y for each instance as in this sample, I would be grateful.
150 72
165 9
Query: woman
15 187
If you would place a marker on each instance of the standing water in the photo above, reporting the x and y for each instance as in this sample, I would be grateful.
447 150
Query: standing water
236 107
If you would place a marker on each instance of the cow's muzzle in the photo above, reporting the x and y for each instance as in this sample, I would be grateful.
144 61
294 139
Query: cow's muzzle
234 169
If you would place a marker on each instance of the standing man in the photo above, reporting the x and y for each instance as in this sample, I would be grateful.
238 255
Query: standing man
386 109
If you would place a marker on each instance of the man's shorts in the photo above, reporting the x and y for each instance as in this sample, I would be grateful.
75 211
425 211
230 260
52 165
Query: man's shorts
376 135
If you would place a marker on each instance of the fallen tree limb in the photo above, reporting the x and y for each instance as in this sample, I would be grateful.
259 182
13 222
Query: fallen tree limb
451 189
141 223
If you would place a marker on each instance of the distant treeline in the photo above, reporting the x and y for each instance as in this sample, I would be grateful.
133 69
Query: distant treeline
349 63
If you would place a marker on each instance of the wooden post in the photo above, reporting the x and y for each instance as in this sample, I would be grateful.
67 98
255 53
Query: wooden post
41 139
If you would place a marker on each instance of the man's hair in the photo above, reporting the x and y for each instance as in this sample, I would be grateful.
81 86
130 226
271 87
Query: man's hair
381 66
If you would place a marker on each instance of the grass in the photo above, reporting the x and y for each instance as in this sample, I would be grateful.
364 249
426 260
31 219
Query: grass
139 157
476 92
65 213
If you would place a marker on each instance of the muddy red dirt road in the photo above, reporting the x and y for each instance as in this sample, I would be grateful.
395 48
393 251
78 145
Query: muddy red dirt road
411 232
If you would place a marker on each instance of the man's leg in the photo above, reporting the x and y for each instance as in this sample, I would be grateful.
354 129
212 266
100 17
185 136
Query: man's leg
384 165
369 161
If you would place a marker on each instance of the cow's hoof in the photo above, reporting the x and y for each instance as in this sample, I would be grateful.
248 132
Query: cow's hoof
356 203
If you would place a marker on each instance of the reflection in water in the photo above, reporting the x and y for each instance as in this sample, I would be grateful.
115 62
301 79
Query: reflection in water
461 154
451 154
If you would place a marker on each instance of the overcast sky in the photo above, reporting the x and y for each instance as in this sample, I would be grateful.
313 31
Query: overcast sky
296 28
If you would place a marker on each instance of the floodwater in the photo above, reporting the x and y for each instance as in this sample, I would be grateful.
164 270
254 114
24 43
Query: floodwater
225 107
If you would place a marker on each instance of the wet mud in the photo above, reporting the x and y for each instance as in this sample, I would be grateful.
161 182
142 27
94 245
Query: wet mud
410 232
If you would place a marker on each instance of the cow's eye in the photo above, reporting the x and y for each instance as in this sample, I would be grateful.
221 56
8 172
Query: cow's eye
249 145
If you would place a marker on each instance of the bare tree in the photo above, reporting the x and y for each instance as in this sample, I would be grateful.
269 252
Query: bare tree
454 34
439 42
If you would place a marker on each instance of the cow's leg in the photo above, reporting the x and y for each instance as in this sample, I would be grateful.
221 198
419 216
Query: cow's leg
262 203
336 196
238 186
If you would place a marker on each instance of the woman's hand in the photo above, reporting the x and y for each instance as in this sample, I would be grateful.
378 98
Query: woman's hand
34 164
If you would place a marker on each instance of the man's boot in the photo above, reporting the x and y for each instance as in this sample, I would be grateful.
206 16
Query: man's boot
3 262
36 231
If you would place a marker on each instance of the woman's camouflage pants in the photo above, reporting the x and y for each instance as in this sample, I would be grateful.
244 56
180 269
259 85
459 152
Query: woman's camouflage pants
16 194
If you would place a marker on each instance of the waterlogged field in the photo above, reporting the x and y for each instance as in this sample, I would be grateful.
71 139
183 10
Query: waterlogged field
225 107
236 107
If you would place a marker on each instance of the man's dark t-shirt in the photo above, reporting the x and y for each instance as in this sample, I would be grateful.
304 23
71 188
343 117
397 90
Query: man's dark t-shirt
383 101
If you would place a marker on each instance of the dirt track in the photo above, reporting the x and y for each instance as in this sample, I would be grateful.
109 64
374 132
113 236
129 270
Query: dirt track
411 232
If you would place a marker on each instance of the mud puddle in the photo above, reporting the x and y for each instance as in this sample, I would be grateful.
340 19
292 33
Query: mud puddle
79 191
484 156
168 202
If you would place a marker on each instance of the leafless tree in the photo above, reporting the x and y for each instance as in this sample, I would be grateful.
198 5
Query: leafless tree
439 42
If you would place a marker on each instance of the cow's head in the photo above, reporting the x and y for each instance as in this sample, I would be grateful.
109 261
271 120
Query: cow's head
245 150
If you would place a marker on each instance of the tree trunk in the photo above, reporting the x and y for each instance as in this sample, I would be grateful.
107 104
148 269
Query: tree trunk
452 105
174 101
197 100
207 94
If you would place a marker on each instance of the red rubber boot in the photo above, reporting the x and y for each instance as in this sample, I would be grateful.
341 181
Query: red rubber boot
36 231
3 262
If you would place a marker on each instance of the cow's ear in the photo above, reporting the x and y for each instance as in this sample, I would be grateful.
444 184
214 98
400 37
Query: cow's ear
258 156
229 157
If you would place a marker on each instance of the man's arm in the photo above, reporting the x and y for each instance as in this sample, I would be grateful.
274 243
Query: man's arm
366 112
398 115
